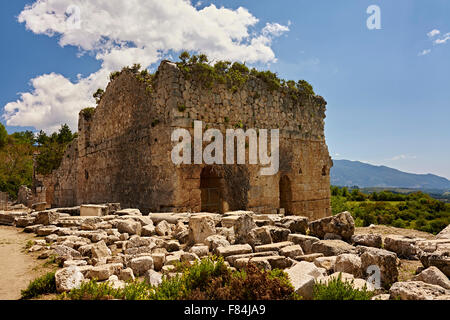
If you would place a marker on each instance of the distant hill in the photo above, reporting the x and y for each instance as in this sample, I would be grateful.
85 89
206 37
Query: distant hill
363 175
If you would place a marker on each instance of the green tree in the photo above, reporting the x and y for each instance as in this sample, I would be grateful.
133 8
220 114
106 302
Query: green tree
3 136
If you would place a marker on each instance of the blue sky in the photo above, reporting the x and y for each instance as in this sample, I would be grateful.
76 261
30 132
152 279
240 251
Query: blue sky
386 103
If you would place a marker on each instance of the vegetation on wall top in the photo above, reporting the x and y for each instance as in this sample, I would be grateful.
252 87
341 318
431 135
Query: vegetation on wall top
235 75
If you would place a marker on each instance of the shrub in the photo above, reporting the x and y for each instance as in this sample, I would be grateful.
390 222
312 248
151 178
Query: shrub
181 108
208 279
98 95
88 113
42 285
93 290
336 289
114 75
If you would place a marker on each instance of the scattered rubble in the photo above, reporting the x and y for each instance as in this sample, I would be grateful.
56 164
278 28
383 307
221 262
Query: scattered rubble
118 245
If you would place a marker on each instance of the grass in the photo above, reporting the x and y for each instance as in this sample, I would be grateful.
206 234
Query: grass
336 289
43 285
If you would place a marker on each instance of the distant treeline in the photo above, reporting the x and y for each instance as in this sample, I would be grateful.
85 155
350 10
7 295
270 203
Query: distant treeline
416 210
16 156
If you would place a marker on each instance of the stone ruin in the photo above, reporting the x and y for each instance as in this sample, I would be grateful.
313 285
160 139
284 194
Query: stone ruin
107 243
123 152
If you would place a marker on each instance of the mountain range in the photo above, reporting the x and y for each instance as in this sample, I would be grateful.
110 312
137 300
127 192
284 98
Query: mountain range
363 175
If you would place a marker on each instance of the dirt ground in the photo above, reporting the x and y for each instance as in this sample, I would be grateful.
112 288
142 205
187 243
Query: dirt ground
17 267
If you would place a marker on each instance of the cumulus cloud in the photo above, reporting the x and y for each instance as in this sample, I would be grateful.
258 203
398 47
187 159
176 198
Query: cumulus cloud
121 33
433 33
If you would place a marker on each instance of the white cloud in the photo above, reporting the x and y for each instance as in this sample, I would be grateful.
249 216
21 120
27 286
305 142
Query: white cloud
401 157
424 52
121 33
443 40
433 33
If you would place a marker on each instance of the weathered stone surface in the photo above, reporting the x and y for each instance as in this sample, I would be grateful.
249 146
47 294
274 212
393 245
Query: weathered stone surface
332 247
154 278
99 250
384 260
46 217
309 257
163 229
296 224
349 263
292 251
368 240
130 227
404 247
275 261
342 225
200 228
68 278
234 250
439 259
273 246
92 210
126 275
278 234
444 234
305 242
233 258
215 241
200 250
433 275
243 227
416 290
141 265
325 262
159 259
129 212
260 263
115 283
433 245
23 222
62 250
303 276
46 230
260 236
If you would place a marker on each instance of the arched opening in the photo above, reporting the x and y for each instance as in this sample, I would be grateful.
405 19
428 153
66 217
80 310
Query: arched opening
286 195
211 187
324 171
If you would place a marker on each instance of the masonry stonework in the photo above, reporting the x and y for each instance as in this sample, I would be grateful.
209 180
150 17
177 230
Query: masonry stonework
123 152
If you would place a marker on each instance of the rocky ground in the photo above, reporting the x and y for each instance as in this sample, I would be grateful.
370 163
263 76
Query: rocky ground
121 245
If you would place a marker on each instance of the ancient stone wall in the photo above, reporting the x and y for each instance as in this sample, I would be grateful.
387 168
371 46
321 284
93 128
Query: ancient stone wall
123 153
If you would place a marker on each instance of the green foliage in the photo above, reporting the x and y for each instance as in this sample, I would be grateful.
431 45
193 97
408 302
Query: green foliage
93 290
182 108
42 285
98 95
336 289
3 136
88 113
305 87
415 210
235 75
16 162
52 149
207 279
114 75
